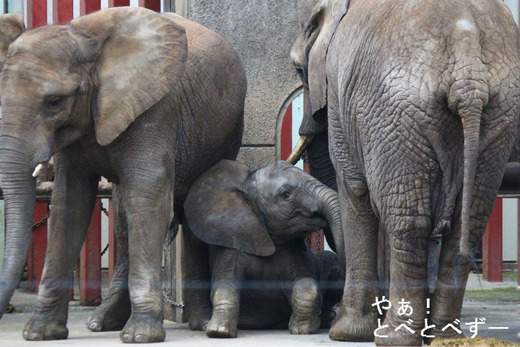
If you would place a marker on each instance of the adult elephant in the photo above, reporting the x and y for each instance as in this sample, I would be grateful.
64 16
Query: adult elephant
421 99
149 101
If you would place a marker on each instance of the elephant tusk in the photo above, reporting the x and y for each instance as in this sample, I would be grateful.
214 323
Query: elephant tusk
300 147
37 170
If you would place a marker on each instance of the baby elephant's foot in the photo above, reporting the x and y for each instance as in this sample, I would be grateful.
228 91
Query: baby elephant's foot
38 328
143 328
112 314
305 326
221 328
306 306
224 320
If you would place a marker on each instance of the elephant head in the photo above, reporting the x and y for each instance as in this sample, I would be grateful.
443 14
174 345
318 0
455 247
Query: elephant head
233 207
318 22
88 80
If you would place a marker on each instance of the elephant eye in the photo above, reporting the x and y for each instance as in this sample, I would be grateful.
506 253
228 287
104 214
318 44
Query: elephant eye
286 194
54 101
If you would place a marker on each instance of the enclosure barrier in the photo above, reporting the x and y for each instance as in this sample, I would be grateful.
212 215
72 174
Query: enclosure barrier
89 266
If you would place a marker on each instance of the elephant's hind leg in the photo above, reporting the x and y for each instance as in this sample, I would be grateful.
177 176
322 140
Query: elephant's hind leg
446 301
357 319
197 281
404 321
306 307
115 310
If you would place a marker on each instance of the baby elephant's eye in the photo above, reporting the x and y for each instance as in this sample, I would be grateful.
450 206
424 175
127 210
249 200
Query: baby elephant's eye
286 194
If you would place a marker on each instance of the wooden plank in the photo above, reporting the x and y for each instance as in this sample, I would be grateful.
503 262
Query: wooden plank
117 3
112 245
44 190
90 262
518 245
88 6
36 13
62 11
173 281
38 246
286 135
154 5
492 245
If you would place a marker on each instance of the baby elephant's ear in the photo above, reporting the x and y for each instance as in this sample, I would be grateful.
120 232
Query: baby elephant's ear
218 212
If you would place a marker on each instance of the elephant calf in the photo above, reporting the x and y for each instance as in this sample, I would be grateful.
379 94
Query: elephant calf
264 276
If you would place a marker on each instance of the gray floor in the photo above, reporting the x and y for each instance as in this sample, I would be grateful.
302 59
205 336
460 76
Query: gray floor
503 314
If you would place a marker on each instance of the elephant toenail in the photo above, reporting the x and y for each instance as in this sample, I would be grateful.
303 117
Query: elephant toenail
35 337
95 326
141 339
126 338
204 326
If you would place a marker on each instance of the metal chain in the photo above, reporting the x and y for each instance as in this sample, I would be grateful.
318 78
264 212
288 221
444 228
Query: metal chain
41 222
170 300
104 210
318 240
104 250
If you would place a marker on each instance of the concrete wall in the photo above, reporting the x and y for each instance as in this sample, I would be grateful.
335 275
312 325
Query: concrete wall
262 31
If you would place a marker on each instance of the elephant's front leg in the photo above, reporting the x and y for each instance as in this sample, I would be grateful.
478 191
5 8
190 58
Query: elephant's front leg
148 206
357 317
306 307
225 293
114 311
73 200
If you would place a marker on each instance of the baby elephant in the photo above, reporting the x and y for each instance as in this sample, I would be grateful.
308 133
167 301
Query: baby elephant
264 276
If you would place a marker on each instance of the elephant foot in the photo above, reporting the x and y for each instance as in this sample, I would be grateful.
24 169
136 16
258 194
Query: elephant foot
303 327
143 328
306 307
112 314
398 338
352 325
199 320
38 329
220 327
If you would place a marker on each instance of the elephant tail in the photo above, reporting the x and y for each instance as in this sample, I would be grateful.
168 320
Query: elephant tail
468 97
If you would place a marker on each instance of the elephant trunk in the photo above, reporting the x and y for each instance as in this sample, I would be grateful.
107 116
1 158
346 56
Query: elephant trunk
328 206
19 188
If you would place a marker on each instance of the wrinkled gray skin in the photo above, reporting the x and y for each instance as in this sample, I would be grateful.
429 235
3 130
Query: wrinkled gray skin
421 101
263 274
147 100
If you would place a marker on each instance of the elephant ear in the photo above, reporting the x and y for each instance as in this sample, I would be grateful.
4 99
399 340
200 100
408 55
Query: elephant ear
11 26
218 211
140 57
322 24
